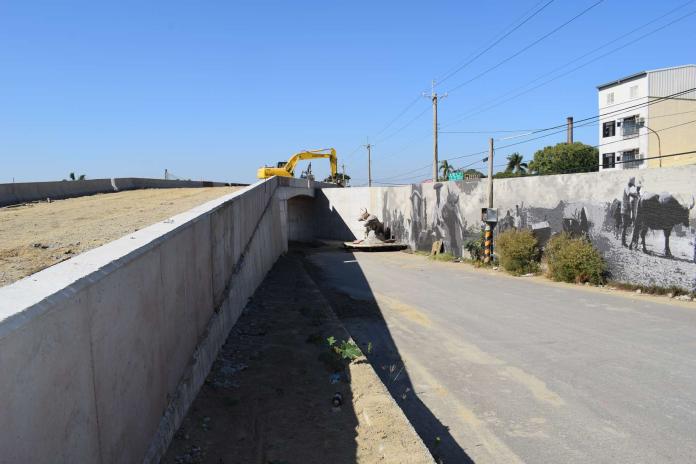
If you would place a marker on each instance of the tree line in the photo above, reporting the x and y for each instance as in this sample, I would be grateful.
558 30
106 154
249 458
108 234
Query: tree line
562 158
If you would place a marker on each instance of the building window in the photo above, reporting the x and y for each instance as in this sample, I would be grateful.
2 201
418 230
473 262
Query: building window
634 91
608 129
610 98
630 126
631 159
608 161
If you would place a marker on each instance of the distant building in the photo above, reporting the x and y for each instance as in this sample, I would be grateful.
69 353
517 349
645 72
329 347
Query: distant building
639 123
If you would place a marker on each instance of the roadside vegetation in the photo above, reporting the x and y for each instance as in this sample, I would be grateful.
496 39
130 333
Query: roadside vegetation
574 260
670 292
518 251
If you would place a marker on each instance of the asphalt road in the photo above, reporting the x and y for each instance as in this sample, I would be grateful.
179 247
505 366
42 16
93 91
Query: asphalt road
525 370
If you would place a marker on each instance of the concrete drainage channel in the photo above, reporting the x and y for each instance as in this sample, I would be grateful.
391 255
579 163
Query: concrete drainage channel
102 355
277 393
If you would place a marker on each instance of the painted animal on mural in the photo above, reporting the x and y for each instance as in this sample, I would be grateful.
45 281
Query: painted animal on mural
659 212
615 215
577 225
373 224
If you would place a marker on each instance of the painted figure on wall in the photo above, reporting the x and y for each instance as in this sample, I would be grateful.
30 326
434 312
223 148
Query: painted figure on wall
659 212
628 207
661 224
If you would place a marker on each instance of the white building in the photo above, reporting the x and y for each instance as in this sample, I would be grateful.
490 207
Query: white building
638 121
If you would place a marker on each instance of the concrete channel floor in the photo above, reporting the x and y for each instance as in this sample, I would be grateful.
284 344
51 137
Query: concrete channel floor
268 398
500 369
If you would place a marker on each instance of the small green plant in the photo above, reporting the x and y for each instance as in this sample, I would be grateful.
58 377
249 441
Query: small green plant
574 260
518 251
345 350
369 348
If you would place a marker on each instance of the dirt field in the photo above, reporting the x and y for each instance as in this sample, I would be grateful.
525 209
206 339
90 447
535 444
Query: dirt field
268 398
38 235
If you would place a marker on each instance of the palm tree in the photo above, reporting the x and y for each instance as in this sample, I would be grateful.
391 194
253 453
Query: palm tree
515 164
446 169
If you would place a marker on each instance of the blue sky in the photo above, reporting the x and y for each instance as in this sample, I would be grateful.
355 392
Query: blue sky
216 89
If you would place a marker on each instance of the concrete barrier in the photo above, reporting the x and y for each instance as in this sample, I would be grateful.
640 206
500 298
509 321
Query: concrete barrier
101 355
15 193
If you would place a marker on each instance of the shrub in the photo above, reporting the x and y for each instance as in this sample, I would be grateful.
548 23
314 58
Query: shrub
574 260
475 246
518 251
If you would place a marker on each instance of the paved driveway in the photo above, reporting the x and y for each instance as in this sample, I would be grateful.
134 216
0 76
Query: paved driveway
519 369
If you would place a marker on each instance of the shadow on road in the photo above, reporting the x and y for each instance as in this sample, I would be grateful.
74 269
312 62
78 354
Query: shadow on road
352 299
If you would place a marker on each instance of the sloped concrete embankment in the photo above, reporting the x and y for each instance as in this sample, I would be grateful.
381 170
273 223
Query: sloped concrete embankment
101 355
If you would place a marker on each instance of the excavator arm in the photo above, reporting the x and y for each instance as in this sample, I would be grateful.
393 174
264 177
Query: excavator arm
288 169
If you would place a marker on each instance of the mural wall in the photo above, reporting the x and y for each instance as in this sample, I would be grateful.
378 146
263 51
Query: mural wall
642 221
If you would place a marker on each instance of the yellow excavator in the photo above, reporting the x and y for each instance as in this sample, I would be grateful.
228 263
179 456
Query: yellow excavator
287 168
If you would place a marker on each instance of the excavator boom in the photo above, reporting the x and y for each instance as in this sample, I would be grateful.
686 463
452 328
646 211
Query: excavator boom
288 169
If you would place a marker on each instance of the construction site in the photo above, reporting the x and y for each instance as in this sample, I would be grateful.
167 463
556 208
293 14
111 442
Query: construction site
347 233
203 323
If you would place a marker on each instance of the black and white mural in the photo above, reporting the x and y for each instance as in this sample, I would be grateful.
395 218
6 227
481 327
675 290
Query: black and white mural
643 222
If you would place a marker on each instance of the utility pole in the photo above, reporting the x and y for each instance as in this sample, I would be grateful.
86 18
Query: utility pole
434 97
488 231
165 174
343 168
569 120
369 162
490 173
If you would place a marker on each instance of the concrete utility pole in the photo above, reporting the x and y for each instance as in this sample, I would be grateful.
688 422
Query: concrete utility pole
369 162
490 173
434 97
343 168
570 129
488 231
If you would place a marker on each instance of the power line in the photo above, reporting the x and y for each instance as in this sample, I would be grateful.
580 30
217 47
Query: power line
462 66
496 42
591 167
578 67
481 108
527 47
418 116
587 121
488 131
408 107
590 120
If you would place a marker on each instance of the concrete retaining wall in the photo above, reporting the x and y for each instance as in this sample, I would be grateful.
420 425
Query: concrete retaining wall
11 194
101 355
581 203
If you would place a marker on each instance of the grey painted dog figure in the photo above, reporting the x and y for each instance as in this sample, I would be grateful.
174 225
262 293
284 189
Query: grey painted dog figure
373 224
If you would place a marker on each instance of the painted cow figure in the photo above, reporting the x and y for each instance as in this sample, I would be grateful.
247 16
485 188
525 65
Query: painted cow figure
659 212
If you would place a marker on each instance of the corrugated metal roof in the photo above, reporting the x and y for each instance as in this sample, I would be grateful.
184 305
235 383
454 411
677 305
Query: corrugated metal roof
642 74
671 81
